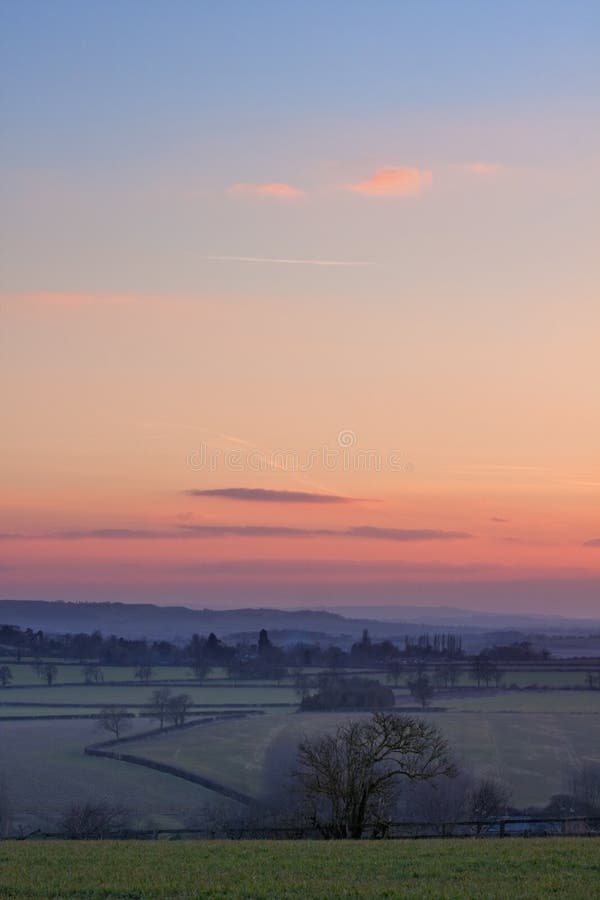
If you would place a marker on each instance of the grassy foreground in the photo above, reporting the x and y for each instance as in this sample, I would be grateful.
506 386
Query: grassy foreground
547 867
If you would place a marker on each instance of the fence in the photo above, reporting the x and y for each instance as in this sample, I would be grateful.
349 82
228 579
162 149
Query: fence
518 827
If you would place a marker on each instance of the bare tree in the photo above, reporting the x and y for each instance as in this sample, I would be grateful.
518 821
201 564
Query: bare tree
421 689
178 708
436 802
200 668
5 675
93 674
488 799
143 673
483 669
303 683
351 778
446 675
454 676
159 705
93 819
50 673
585 787
114 719
47 671
395 670
592 679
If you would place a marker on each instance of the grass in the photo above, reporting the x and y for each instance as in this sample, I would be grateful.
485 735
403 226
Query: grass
532 740
521 677
533 753
29 712
534 868
586 702
24 673
230 752
44 769
97 695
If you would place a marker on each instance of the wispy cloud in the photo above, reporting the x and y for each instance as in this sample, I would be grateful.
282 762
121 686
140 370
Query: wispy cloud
276 189
190 530
261 495
268 531
288 261
595 542
109 534
394 181
405 534
498 519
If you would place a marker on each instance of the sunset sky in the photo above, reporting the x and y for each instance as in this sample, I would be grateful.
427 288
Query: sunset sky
300 303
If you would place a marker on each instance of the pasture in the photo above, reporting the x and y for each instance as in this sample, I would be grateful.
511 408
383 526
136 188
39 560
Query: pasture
139 694
45 769
533 752
72 673
529 869
568 702
530 739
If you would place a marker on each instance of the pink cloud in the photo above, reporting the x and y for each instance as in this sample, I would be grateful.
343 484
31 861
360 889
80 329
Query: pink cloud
394 181
482 168
275 189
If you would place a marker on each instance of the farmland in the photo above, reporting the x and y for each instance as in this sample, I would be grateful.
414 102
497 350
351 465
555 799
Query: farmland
137 695
46 769
532 752
531 739
536 868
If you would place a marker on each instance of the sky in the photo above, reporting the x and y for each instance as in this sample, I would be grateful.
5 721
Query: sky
299 303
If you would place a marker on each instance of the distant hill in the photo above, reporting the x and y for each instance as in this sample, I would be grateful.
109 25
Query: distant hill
452 616
178 623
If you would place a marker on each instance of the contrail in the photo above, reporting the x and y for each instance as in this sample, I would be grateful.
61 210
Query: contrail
287 262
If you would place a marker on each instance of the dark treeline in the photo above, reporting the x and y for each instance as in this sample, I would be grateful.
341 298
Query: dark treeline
262 659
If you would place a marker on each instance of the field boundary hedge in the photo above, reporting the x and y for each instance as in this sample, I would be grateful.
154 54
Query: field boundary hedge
104 749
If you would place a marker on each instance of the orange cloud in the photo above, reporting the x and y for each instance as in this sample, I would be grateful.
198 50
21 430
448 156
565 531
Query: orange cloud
394 181
275 189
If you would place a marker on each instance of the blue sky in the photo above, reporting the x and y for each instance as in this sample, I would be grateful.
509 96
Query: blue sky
100 83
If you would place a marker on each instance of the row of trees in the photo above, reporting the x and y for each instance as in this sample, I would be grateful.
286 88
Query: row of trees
165 707
246 658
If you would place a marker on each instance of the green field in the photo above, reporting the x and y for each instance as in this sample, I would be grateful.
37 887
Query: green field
530 739
29 712
576 702
45 769
519 677
97 695
534 752
223 693
24 674
253 870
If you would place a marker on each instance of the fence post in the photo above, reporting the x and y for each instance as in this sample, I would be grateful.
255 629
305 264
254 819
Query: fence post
502 829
